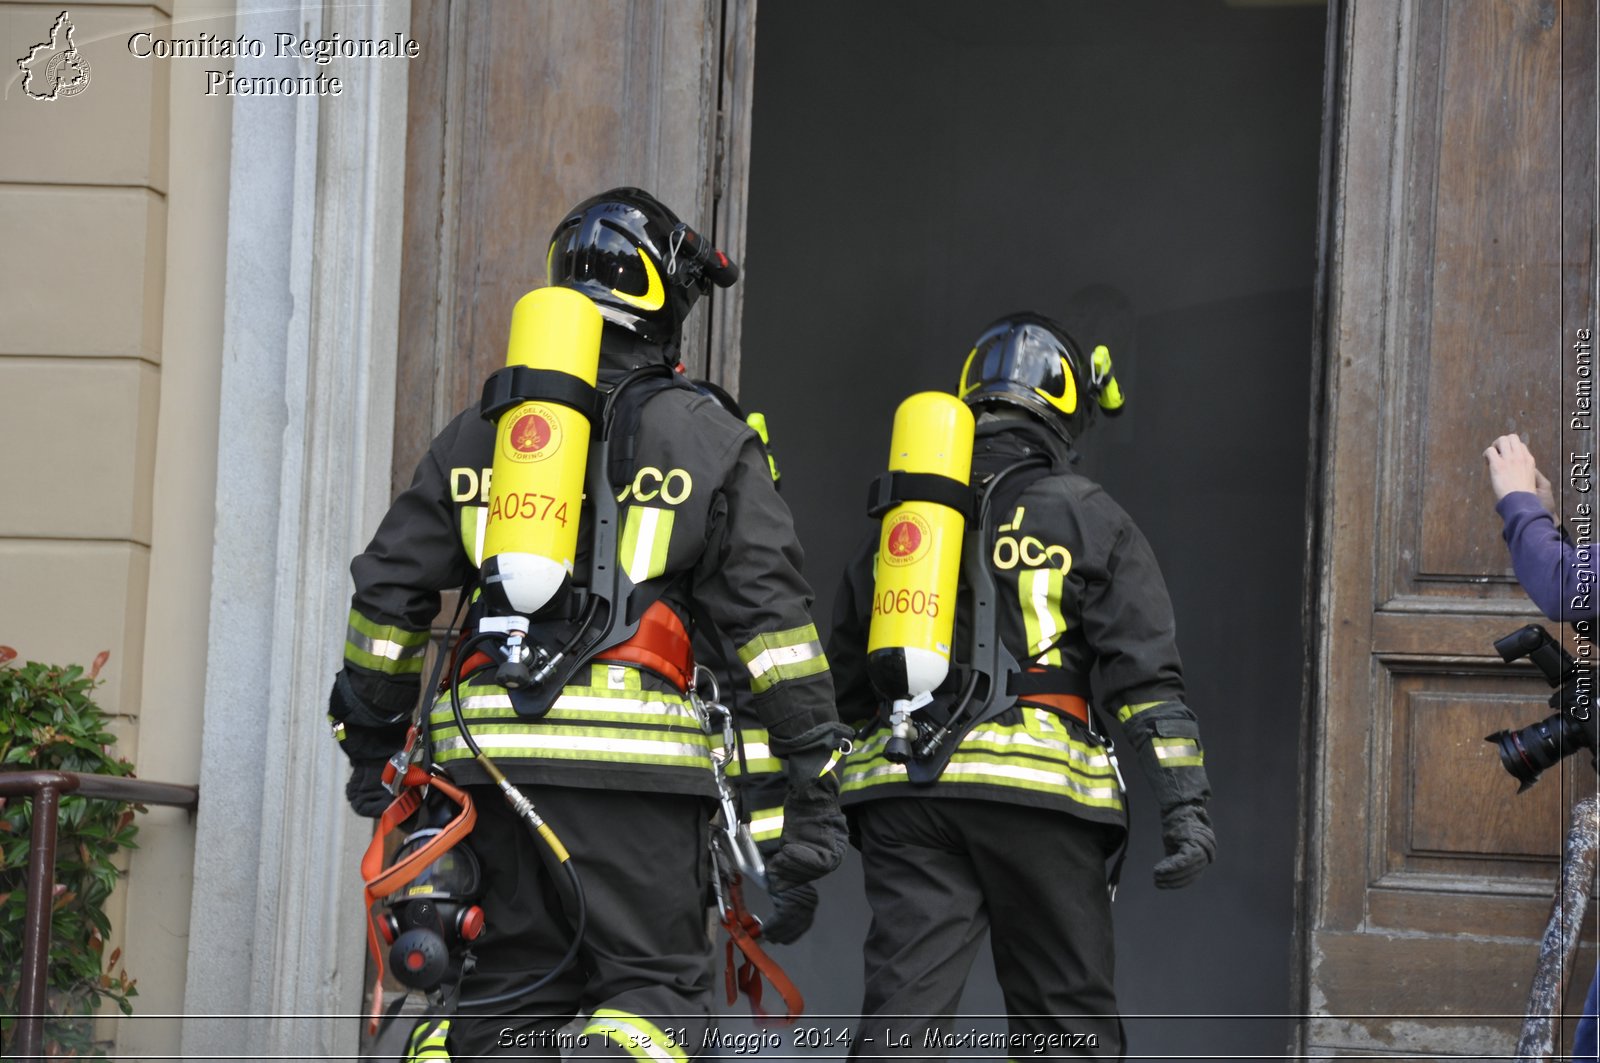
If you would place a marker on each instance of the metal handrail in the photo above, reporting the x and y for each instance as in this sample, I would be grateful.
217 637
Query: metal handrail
47 788
1561 934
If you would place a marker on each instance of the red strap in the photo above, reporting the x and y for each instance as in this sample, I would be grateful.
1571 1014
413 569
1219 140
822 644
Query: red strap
661 644
743 929
378 883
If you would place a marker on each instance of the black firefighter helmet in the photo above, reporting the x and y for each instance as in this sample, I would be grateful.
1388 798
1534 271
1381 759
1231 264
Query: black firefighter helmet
1029 361
642 267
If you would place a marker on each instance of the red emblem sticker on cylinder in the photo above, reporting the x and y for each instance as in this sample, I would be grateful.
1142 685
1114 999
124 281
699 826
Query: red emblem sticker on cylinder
534 435
906 540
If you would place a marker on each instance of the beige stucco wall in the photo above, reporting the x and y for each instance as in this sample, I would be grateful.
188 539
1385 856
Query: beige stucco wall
113 204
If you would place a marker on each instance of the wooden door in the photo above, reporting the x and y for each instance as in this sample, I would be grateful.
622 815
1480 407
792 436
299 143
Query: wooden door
518 111
1459 275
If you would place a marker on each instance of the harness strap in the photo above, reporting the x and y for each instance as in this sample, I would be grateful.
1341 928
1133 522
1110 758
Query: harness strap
743 929
516 384
378 882
661 644
895 487
1050 688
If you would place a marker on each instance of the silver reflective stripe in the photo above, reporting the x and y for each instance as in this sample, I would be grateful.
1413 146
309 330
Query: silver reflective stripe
767 826
782 656
580 703
1171 750
532 743
385 648
1036 776
1022 739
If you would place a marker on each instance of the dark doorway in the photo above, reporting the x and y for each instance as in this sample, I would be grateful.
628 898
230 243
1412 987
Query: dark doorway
918 169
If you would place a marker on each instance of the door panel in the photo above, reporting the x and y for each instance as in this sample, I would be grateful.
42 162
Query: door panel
1462 213
518 111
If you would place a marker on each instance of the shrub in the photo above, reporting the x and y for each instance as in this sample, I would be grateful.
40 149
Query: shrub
49 722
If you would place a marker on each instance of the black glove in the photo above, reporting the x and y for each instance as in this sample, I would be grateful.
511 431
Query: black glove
366 730
365 790
792 911
1191 845
815 834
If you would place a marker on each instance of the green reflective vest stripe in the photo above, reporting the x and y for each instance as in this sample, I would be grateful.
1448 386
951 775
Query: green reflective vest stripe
781 655
639 1037
616 725
646 533
1038 754
1039 591
384 647
428 1042
757 759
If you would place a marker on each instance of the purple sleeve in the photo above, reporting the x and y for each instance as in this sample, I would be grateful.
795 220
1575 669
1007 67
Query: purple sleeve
1551 571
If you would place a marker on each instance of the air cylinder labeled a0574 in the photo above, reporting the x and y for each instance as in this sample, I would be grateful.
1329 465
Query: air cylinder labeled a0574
919 553
541 453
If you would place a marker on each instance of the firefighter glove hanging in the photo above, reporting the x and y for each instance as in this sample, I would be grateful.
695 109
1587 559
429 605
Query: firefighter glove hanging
815 835
792 912
365 790
1190 844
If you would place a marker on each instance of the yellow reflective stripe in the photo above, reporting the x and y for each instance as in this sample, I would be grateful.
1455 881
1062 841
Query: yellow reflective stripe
1178 752
1040 592
384 648
766 824
474 521
655 294
639 1037
428 1042
573 743
781 655
758 756
1127 712
646 534
1019 756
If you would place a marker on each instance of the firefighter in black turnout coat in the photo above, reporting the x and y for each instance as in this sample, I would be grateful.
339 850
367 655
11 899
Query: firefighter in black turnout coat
1015 833
618 764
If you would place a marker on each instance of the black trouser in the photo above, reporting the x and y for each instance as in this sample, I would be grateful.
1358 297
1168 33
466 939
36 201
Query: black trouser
939 871
645 967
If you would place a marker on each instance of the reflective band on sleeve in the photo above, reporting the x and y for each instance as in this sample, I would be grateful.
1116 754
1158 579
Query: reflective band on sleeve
766 824
1040 593
384 647
758 758
1178 752
640 1038
781 655
1128 712
646 534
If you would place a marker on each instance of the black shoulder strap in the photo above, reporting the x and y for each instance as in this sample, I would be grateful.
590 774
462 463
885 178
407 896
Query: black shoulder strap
987 664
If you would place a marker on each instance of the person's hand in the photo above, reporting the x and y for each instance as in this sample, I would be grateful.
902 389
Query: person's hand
1512 468
792 912
365 790
1190 843
815 834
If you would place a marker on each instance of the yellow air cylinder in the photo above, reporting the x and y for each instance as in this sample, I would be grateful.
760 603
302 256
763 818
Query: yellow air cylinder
919 553
541 452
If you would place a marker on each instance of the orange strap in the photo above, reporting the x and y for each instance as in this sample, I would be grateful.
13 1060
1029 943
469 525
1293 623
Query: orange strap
379 882
661 644
1066 704
743 929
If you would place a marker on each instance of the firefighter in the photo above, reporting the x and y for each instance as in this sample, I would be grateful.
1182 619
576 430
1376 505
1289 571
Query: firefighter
1014 832
617 764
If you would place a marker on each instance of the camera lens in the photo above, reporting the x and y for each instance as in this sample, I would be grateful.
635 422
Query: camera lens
1528 752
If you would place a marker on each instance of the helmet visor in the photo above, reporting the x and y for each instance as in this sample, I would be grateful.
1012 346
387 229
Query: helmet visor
1027 358
602 256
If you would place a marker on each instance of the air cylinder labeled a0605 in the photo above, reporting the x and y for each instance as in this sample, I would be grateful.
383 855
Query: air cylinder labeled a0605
541 453
919 552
